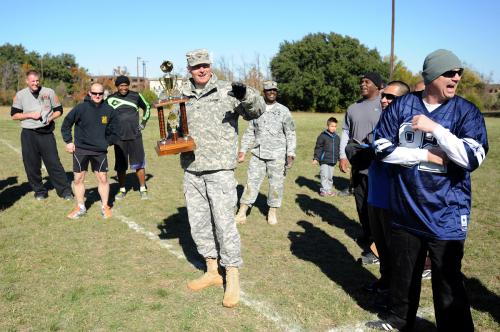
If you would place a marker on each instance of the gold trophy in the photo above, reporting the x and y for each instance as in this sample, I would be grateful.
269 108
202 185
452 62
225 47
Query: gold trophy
174 144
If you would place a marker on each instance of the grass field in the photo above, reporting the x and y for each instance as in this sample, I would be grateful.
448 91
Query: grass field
129 273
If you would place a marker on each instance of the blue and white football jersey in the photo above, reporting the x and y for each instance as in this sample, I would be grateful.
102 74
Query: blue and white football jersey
428 199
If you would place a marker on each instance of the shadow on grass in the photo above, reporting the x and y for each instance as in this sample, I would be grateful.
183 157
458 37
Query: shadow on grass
8 182
131 183
329 213
12 194
482 299
339 183
334 260
176 226
260 202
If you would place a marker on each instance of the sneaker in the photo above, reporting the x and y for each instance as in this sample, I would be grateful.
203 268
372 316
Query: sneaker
68 197
106 212
345 192
144 194
324 193
76 213
381 325
369 258
120 195
427 274
41 197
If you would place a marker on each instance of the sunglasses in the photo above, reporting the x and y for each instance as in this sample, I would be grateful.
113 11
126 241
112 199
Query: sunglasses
96 93
387 96
452 73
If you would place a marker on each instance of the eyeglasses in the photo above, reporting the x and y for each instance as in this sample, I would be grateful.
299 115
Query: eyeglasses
96 93
387 96
452 73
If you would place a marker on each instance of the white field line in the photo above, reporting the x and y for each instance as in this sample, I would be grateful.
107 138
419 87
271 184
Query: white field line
16 150
260 307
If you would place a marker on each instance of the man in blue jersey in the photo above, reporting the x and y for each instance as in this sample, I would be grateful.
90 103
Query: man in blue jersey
436 139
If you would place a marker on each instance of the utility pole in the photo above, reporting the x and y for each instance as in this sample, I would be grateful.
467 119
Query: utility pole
138 58
144 73
392 41
144 69
41 68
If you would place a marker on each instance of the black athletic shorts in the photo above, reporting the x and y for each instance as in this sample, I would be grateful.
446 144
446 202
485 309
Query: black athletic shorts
98 162
131 151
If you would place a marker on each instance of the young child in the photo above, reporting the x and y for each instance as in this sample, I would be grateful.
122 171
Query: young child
326 154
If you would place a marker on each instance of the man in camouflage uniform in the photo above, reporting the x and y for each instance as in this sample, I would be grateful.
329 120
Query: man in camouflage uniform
209 184
272 141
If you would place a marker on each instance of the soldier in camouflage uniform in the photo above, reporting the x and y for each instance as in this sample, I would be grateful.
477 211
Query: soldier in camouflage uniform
272 141
209 183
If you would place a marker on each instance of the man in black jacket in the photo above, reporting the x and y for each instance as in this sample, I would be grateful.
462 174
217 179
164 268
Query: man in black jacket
129 149
326 153
95 129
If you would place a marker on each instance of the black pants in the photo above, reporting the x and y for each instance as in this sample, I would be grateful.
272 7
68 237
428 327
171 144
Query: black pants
451 305
37 147
360 191
380 227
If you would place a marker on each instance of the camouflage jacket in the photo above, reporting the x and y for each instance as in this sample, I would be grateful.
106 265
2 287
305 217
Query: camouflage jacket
212 118
271 136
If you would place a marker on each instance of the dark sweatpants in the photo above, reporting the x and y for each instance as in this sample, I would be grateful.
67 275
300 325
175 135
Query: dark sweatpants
451 305
360 191
380 227
35 148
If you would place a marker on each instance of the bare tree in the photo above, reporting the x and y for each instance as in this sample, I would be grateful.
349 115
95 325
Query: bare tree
120 71
223 70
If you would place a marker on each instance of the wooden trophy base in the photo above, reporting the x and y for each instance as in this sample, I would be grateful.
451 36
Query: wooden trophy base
169 147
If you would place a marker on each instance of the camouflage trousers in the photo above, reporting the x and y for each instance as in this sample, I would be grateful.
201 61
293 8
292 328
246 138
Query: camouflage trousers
211 200
257 170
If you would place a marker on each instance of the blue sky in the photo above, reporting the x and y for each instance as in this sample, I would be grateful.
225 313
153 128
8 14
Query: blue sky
105 34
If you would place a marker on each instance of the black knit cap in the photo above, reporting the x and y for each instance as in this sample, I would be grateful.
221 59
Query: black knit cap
375 78
122 79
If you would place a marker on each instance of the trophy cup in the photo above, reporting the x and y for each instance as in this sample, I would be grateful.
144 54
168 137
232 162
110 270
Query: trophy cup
176 143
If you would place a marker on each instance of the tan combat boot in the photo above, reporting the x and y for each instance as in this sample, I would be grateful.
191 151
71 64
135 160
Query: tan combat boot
210 278
241 216
232 293
271 216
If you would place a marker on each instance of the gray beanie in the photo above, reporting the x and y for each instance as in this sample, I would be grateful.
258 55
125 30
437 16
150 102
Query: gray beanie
439 62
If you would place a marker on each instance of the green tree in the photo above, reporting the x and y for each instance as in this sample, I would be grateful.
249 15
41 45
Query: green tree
150 96
321 72
402 73
15 60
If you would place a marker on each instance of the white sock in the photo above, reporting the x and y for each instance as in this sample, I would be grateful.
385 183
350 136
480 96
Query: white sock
81 206
122 189
143 188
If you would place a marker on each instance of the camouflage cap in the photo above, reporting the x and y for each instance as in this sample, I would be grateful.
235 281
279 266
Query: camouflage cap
197 57
270 85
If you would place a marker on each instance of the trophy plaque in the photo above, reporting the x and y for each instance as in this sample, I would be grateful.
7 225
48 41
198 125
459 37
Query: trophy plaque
171 141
